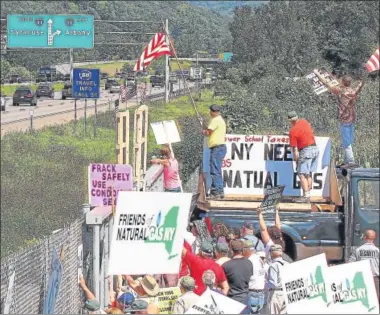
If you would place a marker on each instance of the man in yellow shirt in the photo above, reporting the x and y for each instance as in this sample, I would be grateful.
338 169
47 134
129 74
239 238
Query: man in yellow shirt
216 132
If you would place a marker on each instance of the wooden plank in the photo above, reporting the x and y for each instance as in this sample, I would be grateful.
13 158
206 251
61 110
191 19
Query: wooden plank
237 197
246 205
334 187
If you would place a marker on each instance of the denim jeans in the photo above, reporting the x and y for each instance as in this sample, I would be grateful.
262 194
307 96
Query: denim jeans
308 160
255 302
176 190
347 132
217 155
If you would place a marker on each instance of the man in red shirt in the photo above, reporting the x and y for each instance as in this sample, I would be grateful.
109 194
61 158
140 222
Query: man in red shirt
198 264
305 152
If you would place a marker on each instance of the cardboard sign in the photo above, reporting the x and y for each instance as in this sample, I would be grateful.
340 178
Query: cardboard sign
352 289
165 132
254 163
105 180
55 278
166 299
215 303
148 233
317 85
304 285
271 199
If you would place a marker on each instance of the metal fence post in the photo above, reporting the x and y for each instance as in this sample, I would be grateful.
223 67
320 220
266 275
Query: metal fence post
75 117
85 116
95 259
105 263
100 297
110 227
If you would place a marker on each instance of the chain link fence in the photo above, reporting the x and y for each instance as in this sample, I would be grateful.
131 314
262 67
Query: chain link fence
31 268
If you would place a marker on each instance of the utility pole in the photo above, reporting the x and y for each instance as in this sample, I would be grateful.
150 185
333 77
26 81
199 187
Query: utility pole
167 63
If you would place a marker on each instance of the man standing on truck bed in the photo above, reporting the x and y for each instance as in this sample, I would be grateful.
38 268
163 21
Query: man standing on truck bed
347 97
305 152
369 251
216 132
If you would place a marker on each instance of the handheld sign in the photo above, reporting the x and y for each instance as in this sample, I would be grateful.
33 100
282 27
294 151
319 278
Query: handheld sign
271 199
149 227
165 132
352 289
317 85
106 180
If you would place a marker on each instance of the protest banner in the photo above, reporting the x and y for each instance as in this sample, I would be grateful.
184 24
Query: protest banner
317 85
150 227
106 180
165 132
304 284
271 199
352 289
212 302
254 163
55 278
166 299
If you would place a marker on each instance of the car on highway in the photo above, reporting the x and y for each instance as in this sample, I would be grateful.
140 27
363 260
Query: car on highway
110 82
3 103
115 88
15 78
41 78
24 95
156 80
67 90
185 73
45 89
103 75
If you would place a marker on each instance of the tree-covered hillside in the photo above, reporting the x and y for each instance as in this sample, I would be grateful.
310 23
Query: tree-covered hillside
192 28
226 7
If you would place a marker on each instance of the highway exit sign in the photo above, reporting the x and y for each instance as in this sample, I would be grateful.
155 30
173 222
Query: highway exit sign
50 31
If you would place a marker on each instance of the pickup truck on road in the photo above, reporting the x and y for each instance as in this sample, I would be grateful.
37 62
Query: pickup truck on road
333 226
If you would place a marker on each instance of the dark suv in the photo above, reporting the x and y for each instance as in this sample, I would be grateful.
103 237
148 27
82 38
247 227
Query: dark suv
24 95
156 80
67 90
45 89
15 78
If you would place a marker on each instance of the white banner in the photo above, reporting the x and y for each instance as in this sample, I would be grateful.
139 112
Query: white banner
352 289
215 303
304 285
317 84
255 162
148 233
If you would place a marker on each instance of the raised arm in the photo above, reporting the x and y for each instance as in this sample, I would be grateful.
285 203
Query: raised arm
89 295
331 88
277 222
160 161
263 228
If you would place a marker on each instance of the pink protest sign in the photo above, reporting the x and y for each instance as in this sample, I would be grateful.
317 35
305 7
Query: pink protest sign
103 177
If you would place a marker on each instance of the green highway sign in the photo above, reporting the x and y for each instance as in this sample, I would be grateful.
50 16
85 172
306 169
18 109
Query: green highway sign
50 31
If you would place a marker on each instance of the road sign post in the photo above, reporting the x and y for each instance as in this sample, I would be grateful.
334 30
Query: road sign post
75 117
50 31
85 117
95 117
31 114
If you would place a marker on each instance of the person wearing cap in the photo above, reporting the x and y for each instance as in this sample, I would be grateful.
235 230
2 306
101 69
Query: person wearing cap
276 298
257 280
124 300
248 233
171 170
138 307
346 99
221 253
188 297
92 305
216 132
239 271
198 264
305 152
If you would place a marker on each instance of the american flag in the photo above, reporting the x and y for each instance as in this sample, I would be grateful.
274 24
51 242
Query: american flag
123 93
156 48
373 62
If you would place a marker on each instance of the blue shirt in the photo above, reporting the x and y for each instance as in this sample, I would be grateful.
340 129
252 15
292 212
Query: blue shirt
274 274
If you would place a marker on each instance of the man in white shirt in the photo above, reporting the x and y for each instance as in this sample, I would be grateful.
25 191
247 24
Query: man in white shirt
257 280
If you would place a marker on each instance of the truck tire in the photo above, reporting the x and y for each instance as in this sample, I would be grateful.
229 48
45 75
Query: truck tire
63 97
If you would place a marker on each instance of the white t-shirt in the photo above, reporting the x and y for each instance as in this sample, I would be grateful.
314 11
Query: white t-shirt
257 280
267 251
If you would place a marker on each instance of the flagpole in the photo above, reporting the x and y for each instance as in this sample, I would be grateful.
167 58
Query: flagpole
167 63
183 77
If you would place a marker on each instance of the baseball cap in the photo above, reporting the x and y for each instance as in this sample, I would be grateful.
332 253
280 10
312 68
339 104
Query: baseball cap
222 247
292 115
126 299
206 247
138 305
248 225
92 305
188 283
214 108
237 245
248 243
276 248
